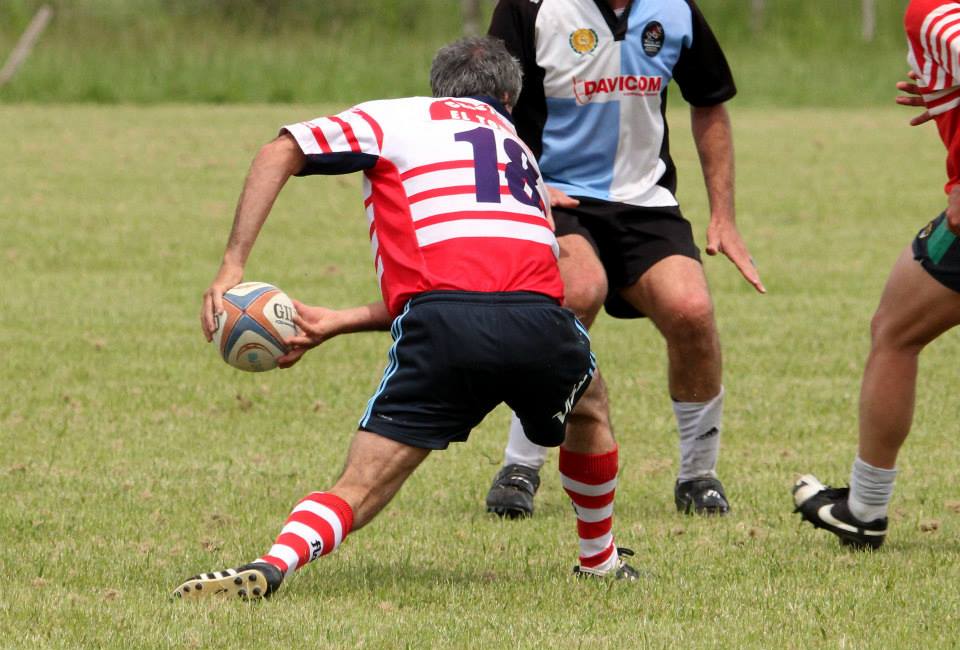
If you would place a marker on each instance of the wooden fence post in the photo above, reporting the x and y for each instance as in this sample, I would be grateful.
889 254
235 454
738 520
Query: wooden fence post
22 49
471 16
869 19
756 16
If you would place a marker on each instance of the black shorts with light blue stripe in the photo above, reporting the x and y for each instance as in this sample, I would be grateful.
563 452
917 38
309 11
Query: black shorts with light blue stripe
456 355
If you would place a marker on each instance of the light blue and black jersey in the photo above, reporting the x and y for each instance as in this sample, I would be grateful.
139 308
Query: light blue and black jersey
595 90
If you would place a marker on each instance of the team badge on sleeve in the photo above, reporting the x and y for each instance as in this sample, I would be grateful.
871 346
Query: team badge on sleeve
652 38
583 41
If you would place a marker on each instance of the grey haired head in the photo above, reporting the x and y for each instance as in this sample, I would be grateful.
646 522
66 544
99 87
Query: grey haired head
476 65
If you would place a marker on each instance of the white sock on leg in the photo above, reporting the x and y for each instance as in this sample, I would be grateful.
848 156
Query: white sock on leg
870 490
699 425
520 451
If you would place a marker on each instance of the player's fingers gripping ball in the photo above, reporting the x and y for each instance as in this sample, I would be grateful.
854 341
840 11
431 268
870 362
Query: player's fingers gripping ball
251 330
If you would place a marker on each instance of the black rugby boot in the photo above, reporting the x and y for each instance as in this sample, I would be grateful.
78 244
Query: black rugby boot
511 494
249 582
701 496
826 507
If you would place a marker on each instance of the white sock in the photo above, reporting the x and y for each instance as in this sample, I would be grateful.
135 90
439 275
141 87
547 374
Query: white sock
699 425
520 451
870 490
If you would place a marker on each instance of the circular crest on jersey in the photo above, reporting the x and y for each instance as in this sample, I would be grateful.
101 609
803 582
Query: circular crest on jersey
652 38
927 230
255 320
583 41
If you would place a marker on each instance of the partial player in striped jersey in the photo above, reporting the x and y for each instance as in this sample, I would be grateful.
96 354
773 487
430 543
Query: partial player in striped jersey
466 260
919 303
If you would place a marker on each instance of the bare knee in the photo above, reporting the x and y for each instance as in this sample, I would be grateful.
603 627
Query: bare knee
584 278
585 295
688 318
914 309
879 329
887 333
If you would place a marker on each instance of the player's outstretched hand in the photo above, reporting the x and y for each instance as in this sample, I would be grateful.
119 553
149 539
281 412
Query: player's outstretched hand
228 277
725 238
913 98
317 324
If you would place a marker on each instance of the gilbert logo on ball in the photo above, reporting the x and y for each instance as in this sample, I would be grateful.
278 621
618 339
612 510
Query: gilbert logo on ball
257 317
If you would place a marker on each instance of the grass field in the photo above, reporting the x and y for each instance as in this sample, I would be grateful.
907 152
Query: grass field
806 52
132 457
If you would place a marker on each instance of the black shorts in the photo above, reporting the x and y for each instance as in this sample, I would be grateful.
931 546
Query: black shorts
457 355
935 247
628 240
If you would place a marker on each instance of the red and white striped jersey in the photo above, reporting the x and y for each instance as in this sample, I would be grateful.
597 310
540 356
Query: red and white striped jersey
454 199
933 36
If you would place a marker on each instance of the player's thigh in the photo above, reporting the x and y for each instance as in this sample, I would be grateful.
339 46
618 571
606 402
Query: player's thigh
673 292
638 241
584 279
914 308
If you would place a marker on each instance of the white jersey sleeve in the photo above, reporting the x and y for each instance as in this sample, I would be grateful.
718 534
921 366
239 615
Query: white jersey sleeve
338 144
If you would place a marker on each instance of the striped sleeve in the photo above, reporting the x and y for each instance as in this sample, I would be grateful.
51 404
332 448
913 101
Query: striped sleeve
940 44
338 144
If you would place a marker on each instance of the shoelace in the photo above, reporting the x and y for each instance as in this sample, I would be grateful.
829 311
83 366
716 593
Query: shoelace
519 481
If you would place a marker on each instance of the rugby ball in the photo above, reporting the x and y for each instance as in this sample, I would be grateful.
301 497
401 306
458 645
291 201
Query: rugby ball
256 319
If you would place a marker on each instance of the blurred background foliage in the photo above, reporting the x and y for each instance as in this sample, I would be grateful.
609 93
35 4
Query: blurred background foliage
793 52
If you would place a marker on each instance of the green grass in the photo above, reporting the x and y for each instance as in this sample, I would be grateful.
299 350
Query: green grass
148 51
807 52
132 457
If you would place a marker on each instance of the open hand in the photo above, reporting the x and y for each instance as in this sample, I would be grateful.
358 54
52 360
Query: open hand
725 238
913 98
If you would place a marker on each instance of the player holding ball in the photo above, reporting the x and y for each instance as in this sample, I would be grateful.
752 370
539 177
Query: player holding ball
466 260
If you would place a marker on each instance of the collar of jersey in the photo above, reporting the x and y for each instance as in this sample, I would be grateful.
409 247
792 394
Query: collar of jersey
495 103
617 24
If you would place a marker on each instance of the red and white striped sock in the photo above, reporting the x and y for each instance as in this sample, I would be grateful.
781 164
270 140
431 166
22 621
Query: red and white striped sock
591 480
315 527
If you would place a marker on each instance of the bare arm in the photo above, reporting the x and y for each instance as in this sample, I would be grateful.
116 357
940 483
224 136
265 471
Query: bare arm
714 139
319 324
276 162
